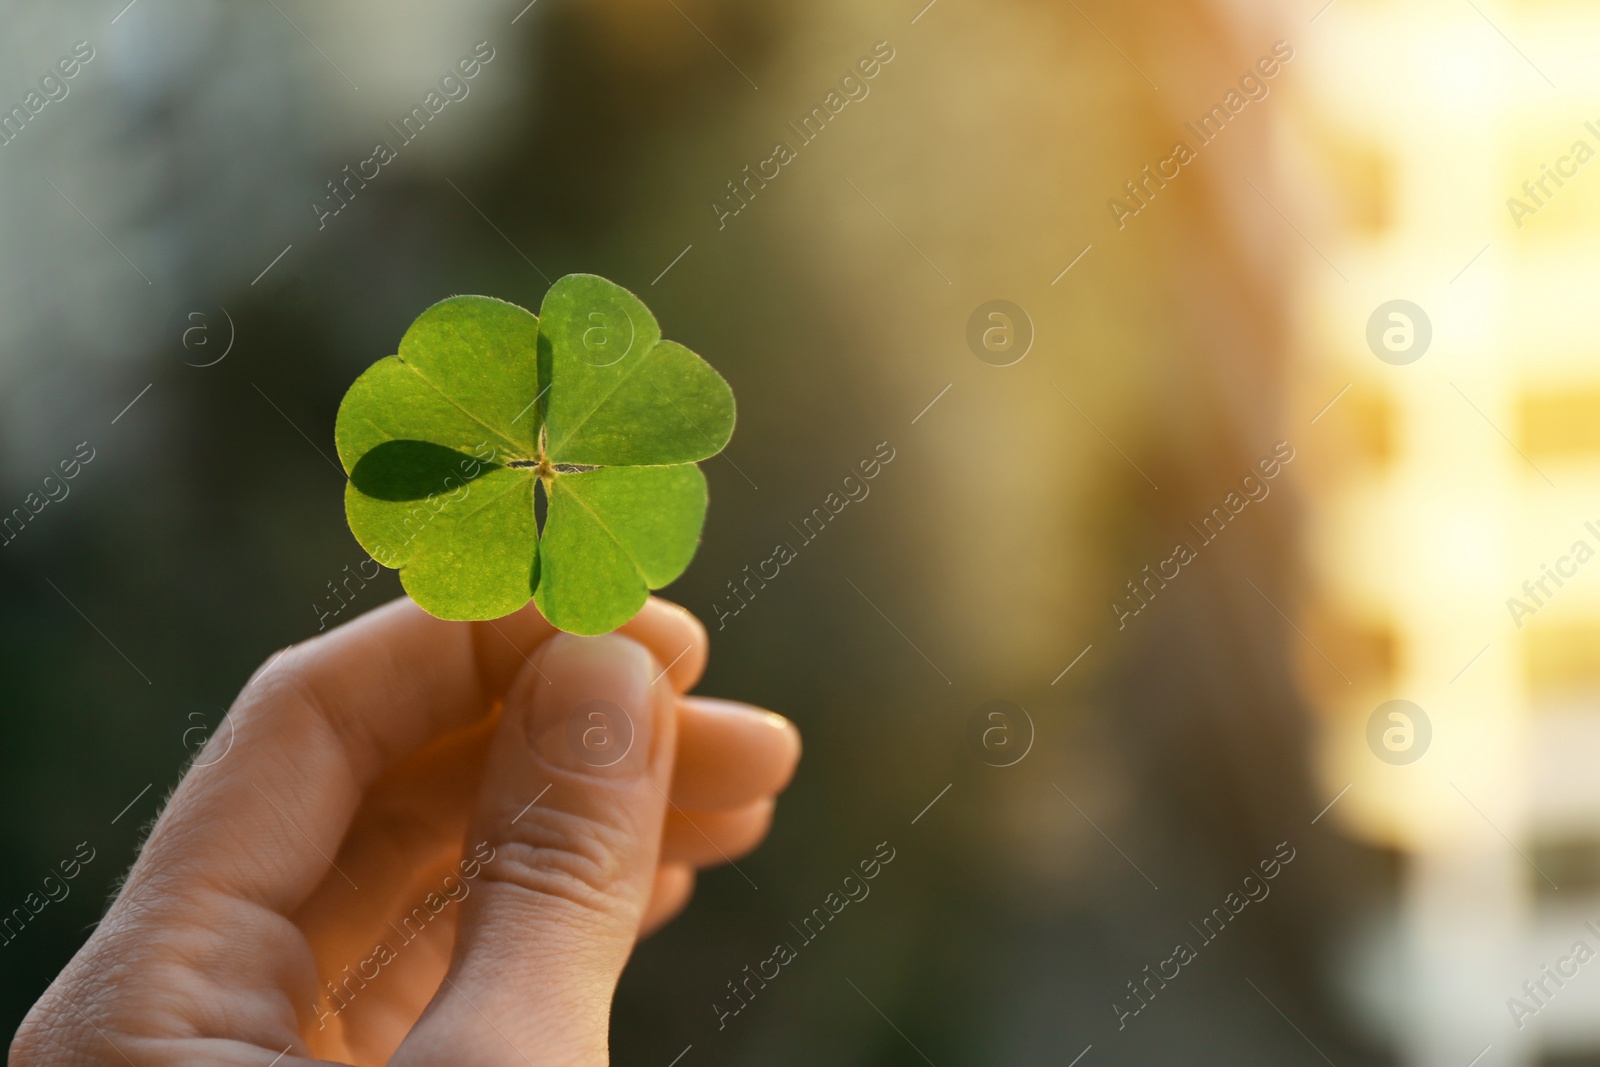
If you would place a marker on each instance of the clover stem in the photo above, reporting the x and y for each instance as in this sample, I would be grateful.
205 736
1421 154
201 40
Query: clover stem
547 470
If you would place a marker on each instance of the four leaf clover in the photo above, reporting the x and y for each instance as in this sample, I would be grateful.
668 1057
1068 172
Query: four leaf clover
499 456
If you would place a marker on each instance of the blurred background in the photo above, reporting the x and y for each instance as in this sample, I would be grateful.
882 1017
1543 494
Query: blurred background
181 309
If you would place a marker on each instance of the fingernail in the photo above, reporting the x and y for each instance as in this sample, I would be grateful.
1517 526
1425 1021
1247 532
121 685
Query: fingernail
593 706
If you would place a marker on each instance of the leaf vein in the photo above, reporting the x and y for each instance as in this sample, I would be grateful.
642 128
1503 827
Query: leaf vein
525 481
602 401
614 538
511 446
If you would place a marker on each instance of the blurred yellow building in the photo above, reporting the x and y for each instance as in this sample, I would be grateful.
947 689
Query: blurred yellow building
1445 156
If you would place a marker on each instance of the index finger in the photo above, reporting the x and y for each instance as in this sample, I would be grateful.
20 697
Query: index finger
317 725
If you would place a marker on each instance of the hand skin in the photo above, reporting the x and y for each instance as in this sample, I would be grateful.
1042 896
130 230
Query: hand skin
408 749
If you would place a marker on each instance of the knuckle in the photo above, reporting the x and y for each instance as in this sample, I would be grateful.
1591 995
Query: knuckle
561 855
290 684
51 1035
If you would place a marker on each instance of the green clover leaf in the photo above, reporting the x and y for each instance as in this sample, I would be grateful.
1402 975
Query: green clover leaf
451 444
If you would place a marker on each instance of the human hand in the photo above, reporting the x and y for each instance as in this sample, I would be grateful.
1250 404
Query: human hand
371 862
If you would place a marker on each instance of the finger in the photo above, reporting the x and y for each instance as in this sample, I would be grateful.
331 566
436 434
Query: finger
403 848
564 889
712 838
408 833
320 724
730 754
416 811
673 887
671 632
249 833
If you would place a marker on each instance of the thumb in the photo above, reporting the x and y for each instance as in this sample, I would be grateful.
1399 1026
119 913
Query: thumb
588 730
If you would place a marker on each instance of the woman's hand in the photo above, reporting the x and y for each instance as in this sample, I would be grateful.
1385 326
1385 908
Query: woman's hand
418 842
